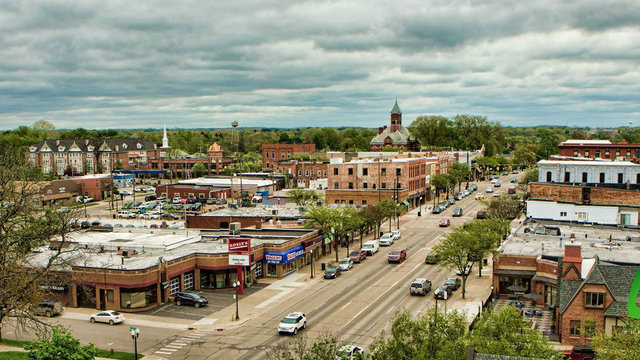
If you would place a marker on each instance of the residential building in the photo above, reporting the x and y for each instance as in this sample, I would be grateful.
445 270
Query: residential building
179 163
600 149
395 135
302 172
272 154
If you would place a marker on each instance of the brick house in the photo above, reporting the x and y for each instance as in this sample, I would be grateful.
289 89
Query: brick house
593 296
395 135
275 153
600 149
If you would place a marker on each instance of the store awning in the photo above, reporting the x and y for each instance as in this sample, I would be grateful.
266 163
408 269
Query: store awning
405 203
546 279
511 272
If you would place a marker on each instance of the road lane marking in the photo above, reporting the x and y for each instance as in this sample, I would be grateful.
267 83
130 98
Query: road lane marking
163 353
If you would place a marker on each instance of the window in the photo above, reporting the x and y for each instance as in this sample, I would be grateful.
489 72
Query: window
335 171
637 178
548 176
335 185
399 185
602 178
575 152
374 186
364 202
188 281
606 153
627 154
350 202
620 177
384 172
319 173
637 153
398 171
132 298
589 328
567 176
282 154
299 172
325 173
617 153
586 153
584 177
366 186
337 201
365 171
563 213
383 185
574 327
110 295
288 154
273 154
306 173
594 299
350 185
597 153
350 171
174 286
267 154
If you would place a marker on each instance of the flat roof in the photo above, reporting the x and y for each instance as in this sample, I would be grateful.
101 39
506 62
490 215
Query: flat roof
588 163
236 180
258 211
585 142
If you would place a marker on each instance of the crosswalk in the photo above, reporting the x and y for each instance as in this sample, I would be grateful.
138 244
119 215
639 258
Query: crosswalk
180 342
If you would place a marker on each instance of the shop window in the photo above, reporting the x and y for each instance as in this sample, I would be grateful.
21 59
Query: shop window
364 202
594 299
574 327
272 270
337 201
110 295
131 298
174 286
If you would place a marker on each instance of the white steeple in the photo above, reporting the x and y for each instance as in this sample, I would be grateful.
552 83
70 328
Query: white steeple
165 139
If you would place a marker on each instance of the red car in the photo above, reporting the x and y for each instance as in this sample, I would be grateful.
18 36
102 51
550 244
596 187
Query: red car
445 223
357 256
580 352
398 255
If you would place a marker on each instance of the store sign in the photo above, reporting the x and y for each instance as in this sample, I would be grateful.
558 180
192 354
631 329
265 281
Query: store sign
239 260
239 244
285 256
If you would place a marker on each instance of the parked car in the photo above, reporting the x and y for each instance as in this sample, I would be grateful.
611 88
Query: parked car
514 180
332 272
188 298
110 317
457 212
420 286
474 187
292 323
348 352
443 292
346 264
357 256
149 197
481 214
386 239
397 255
444 205
49 308
458 196
370 247
580 352
444 222
138 189
497 184
511 190
211 201
126 192
396 235
221 201
170 217
479 196
126 215
451 201
466 193
489 190
505 173
496 194
453 282
432 258
436 210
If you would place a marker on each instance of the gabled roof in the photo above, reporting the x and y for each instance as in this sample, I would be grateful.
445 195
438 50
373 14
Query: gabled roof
399 137
102 144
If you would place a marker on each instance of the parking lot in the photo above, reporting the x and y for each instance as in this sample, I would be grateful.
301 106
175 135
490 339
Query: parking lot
218 299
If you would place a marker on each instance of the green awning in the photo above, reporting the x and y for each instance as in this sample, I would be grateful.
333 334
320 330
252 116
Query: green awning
405 203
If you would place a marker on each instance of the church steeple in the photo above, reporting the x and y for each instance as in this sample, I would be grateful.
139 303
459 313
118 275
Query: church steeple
165 139
396 117
396 108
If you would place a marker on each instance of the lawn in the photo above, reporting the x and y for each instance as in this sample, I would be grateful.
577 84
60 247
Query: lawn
13 355
23 355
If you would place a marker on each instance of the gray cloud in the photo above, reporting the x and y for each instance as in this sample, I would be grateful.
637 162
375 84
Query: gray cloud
316 63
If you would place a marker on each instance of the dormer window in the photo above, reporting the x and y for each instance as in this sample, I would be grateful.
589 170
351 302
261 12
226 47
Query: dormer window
60 148
124 146
32 149
139 146
90 148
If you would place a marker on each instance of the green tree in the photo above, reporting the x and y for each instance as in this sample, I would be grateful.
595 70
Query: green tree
432 335
198 170
374 215
457 250
440 182
60 345
622 344
505 332
525 155
460 173
503 208
488 235
303 197
117 165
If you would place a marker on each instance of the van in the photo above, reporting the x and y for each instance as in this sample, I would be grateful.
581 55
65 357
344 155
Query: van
420 287
370 247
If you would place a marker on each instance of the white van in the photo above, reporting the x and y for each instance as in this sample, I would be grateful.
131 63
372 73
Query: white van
370 247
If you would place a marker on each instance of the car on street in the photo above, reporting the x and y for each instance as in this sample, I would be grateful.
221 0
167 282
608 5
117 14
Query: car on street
292 323
126 192
474 187
346 264
466 193
49 308
497 184
457 212
481 215
84 199
514 180
357 256
138 189
386 239
170 217
505 173
453 282
397 255
444 222
370 247
110 317
458 196
479 196
349 352
451 201
443 292
444 205
511 190
420 286
431 258
436 210
126 215
332 272
580 352
489 190
496 194
187 298
396 235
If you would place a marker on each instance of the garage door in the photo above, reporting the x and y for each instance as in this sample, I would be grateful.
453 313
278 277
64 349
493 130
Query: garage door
188 281
174 286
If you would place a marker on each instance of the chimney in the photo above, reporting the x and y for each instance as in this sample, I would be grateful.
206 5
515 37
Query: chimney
380 130
572 255
86 142
57 142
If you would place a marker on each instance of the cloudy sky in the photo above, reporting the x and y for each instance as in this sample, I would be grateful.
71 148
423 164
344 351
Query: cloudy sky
138 64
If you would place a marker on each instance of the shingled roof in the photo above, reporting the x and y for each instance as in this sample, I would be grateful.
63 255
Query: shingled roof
84 145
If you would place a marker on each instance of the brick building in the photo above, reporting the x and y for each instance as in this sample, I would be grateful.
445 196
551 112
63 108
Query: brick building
180 164
185 191
395 135
302 172
367 181
272 154
58 191
600 149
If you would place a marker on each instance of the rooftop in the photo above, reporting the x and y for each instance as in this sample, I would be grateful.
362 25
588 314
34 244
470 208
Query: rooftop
226 181
587 163
262 211
585 142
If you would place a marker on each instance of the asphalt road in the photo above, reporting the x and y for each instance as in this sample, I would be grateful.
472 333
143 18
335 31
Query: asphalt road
356 306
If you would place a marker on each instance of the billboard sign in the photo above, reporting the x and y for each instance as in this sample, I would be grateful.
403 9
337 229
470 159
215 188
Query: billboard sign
239 260
239 244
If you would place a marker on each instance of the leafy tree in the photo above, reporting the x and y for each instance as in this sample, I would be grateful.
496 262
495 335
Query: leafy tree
198 170
321 217
117 165
623 344
389 209
432 335
460 173
303 197
60 345
457 250
488 235
440 182
525 154
505 332
503 208
374 215
324 348
548 142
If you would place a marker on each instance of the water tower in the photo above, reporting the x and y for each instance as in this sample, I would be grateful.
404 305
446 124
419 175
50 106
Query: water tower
235 138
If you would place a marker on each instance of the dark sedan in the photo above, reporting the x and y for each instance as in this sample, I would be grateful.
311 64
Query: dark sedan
190 299
332 272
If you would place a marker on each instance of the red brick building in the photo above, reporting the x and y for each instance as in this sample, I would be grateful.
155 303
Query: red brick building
181 164
600 149
275 153
302 172
395 135
185 191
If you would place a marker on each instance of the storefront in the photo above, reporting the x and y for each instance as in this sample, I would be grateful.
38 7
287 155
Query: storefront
508 277
280 264
139 297
312 249
218 279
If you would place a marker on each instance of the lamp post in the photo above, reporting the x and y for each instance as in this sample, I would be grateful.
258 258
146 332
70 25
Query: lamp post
236 285
311 251
135 333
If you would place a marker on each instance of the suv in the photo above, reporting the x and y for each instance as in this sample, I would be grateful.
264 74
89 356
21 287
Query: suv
190 299
292 323
357 256
398 255
420 287
442 292
49 308
580 352
126 215
453 283
386 239
431 259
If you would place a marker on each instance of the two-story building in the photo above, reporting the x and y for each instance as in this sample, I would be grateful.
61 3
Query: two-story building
600 149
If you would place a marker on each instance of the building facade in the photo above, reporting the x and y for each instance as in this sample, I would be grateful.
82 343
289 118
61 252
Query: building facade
601 173
272 154
600 149
395 135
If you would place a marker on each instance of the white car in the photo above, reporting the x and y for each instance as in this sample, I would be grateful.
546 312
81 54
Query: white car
110 317
346 264
489 190
150 188
349 352
386 239
396 235
126 192
496 194
138 189
292 323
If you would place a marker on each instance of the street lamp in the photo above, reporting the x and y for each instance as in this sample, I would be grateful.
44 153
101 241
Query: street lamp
135 333
236 286
311 251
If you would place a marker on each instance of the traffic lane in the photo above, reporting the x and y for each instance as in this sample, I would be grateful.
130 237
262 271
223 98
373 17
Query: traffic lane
103 336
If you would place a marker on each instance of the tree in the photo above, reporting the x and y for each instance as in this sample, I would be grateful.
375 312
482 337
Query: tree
503 208
117 165
460 172
432 335
374 215
525 155
389 209
24 225
440 182
505 332
457 251
322 217
60 345
303 197
198 170
623 344
488 235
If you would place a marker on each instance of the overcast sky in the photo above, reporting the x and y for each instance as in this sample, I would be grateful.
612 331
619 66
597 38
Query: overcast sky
139 64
